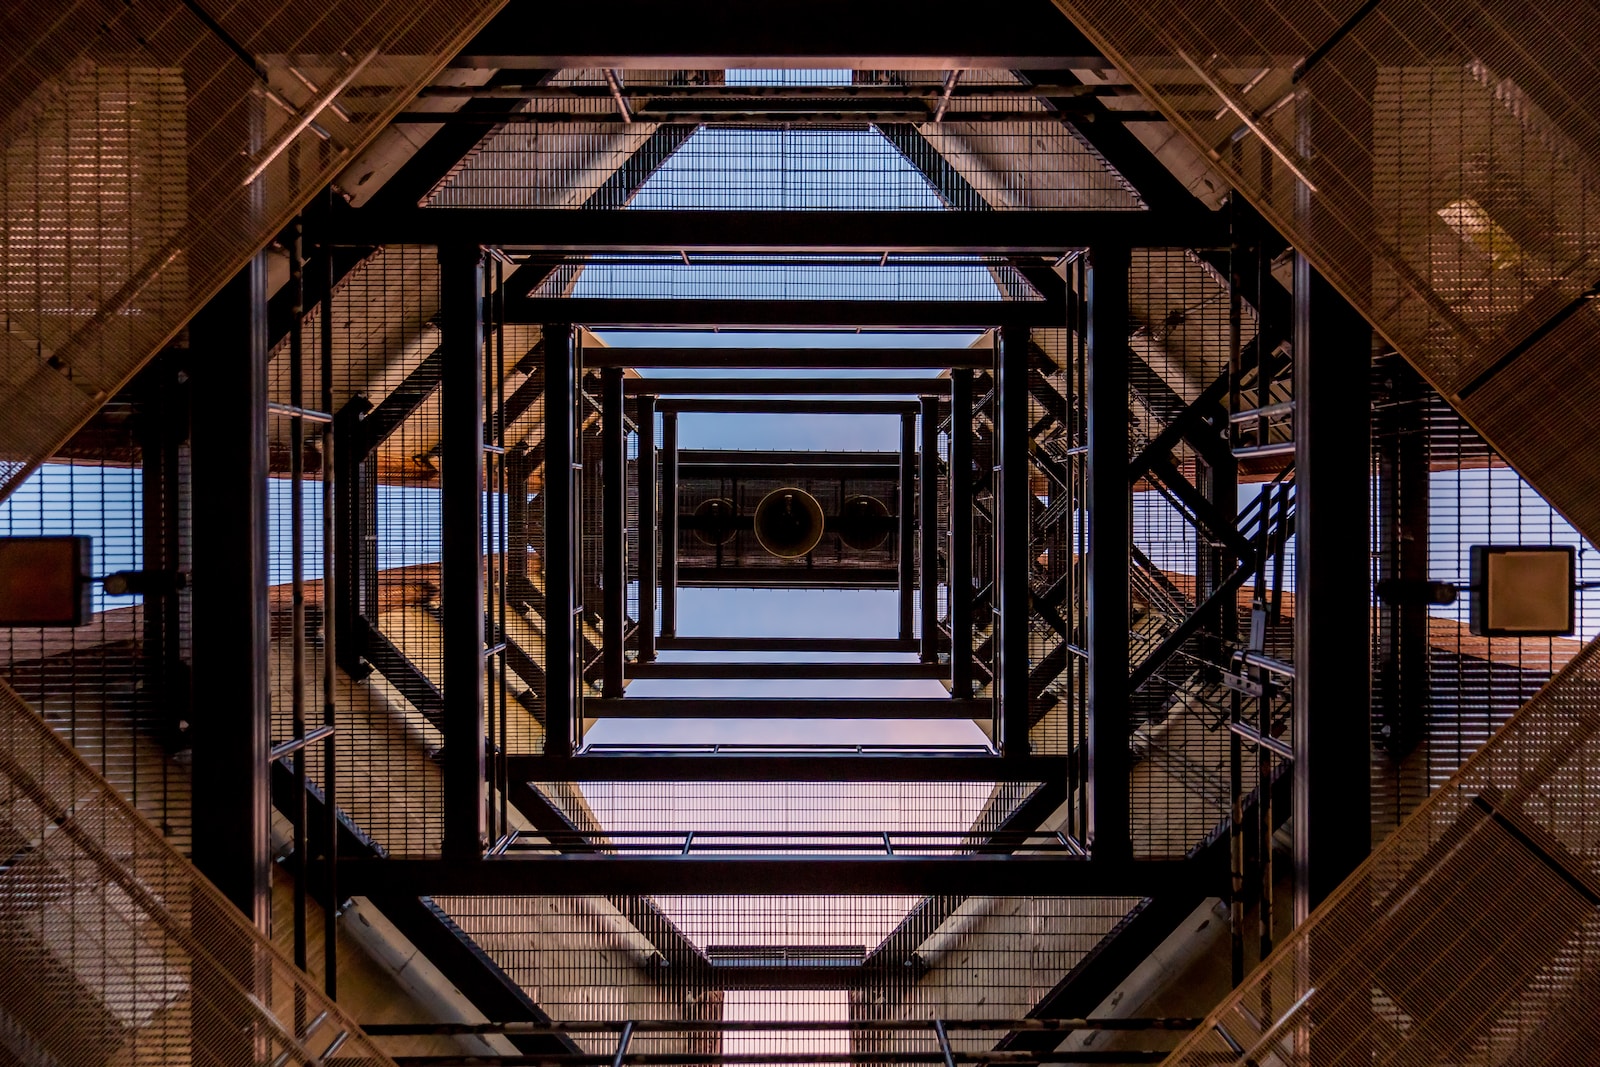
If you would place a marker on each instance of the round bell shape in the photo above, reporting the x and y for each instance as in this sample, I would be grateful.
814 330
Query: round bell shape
788 522
715 521
863 523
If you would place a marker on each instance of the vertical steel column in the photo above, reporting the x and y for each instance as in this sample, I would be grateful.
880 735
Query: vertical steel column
163 434
613 529
1401 439
908 529
647 528
461 547
232 730
1110 529
669 524
297 592
1332 696
561 666
332 581
958 559
1013 518
928 519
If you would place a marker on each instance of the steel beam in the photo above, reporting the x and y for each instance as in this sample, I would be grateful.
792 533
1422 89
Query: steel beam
461 547
613 529
1331 729
785 708
928 526
905 550
1110 528
1013 520
1023 232
1402 464
831 465
580 874
560 509
738 765
669 527
785 406
786 644
785 670
789 576
231 657
784 386
789 358
958 557
706 35
645 418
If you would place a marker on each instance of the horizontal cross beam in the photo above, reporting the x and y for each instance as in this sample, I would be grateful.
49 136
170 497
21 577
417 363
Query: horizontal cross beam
733 764
786 708
789 358
578 874
1044 232
786 386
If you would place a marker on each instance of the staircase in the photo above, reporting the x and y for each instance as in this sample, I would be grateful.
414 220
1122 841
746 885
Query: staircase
117 949
1467 938
135 186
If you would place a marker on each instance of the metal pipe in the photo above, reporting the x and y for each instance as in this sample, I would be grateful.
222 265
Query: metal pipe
333 106
293 411
1268 412
950 80
1279 448
623 1041
1249 733
1266 663
287 135
615 85
295 745
944 1044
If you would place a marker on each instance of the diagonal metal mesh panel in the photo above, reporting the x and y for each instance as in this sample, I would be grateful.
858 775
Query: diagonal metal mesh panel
1436 162
147 153
1469 934
119 950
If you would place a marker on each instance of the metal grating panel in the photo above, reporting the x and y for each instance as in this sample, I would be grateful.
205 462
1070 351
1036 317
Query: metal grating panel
119 949
135 186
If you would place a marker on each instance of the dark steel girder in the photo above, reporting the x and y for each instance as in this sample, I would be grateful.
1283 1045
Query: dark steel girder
1043 233
668 766
582 875
734 314
717 34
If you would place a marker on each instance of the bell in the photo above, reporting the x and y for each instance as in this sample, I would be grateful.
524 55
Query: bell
863 523
788 522
714 521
